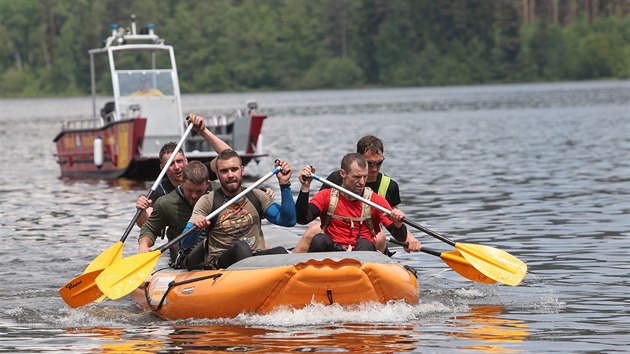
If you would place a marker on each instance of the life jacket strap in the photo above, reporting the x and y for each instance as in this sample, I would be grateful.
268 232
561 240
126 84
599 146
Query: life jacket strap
366 212
384 185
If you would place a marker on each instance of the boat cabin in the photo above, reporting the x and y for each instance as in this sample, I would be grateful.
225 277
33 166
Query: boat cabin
144 83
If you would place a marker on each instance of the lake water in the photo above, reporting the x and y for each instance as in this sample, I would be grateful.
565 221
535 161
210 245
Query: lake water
541 171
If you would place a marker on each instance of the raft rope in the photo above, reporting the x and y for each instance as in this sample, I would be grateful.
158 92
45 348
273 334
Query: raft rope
329 295
172 285
411 270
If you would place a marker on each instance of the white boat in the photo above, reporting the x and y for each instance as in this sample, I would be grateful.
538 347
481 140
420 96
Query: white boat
123 138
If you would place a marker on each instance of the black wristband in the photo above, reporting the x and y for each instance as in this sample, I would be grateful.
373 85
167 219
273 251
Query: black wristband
285 185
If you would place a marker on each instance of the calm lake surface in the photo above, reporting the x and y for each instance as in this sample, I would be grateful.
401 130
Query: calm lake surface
541 171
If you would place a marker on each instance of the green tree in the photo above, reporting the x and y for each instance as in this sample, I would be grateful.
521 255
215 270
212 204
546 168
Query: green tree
334 73
507 41
370 14
235 45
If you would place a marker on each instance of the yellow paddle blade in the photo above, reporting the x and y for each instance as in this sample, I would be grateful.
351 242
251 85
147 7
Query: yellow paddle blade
494 263
106 258
81 290
460 265
122 277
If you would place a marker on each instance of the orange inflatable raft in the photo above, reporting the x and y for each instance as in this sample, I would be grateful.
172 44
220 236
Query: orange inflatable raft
261 284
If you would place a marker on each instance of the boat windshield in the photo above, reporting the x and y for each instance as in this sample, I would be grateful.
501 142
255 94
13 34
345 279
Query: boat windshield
145 82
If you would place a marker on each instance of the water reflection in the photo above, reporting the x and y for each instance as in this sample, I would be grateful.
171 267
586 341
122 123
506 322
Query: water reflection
485 323
483 329
135 346
346 338
116 340
362 338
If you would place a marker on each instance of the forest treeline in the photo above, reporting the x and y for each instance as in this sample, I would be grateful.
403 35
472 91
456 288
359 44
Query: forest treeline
239 45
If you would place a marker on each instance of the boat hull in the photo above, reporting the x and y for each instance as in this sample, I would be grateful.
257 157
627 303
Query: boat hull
262 284
121 146
122 152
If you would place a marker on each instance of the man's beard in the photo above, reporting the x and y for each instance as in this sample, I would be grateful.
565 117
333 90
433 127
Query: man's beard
231 188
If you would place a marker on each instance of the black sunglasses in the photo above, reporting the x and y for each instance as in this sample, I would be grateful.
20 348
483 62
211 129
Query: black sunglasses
377 163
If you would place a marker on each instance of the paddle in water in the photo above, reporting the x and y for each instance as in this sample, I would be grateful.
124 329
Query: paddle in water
122 277
83 290
456 261
492 262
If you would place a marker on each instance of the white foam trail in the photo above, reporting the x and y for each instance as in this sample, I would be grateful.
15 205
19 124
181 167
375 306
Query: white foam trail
319 314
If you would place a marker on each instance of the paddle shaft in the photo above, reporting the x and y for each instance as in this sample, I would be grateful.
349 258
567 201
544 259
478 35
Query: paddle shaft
423 249
384 210
221 208
157 182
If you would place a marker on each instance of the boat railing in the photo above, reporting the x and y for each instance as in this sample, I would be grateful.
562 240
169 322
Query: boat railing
80 124
121 36
222 126
223 120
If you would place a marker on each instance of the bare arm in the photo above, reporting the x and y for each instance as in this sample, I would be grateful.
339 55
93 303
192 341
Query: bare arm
414 245
143 203
144 244
200 128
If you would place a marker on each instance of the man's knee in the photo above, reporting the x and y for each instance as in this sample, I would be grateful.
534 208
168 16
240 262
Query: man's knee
363 244
239 250
242 250
381 241
321 243
312 230
307 238
194 259
274 250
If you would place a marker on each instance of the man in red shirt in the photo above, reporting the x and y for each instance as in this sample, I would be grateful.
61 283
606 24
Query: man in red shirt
371 147
348 224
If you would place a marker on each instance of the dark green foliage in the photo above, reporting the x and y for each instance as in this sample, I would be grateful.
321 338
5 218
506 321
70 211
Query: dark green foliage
237 45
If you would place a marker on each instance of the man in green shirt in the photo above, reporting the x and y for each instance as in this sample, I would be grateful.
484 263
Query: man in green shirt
175 208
